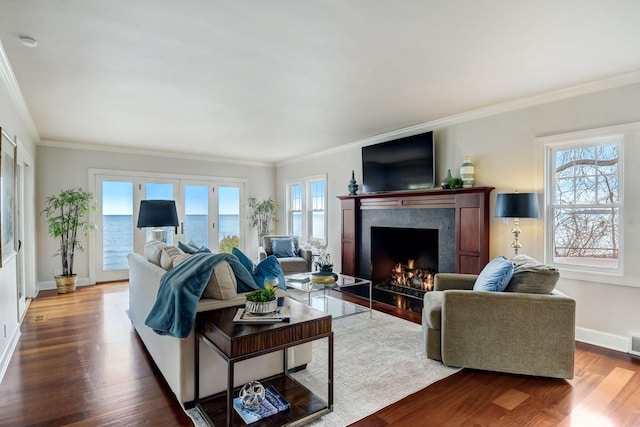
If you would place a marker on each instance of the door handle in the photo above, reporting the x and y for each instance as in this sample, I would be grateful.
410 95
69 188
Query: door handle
19 245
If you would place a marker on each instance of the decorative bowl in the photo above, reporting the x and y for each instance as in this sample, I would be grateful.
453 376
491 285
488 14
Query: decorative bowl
259 308
323 277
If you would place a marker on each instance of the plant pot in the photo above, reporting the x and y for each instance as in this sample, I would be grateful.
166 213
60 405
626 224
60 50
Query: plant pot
66 284
261 307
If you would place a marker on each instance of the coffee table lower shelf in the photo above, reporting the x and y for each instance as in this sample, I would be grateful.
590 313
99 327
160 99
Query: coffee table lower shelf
305 405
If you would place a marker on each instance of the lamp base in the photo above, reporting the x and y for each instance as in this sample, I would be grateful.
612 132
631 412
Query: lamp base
159 234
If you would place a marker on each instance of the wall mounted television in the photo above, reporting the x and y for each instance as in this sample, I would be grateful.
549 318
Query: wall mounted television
399 165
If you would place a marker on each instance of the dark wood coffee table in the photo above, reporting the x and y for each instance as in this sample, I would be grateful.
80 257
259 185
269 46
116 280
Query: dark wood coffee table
235 342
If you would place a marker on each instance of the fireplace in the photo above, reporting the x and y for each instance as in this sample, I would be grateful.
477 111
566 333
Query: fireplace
404 260
460 219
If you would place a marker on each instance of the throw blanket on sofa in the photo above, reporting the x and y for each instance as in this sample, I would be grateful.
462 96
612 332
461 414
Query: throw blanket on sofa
174 311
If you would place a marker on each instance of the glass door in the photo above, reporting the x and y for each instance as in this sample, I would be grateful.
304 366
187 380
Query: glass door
211 215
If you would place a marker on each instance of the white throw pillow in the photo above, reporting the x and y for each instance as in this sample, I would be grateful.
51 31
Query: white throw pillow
153 251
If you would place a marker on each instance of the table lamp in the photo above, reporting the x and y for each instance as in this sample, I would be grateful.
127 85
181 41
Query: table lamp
516 206
158 213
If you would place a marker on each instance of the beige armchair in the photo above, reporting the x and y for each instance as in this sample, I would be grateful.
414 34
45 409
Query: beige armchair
299 263
519 333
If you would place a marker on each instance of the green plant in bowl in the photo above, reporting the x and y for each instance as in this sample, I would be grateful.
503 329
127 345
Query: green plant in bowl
262 295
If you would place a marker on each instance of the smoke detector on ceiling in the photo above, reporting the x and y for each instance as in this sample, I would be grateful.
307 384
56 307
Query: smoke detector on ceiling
28 41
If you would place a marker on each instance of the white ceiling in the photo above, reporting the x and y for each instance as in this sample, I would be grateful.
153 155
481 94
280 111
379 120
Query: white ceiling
271 80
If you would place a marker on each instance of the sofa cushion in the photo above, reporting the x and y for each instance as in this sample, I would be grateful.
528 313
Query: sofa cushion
495 276
153 251
168 255
531 276
222 283
283 247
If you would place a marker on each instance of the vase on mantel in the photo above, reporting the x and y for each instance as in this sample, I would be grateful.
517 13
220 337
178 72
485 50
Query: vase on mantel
447 180
467 172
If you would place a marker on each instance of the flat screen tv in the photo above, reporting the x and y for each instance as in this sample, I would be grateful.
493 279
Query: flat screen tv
399 165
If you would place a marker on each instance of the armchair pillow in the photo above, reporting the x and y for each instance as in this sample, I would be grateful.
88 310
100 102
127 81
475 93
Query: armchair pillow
495 276
531 276
283 247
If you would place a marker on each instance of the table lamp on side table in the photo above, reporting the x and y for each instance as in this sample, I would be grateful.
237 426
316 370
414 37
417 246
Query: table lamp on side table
516 206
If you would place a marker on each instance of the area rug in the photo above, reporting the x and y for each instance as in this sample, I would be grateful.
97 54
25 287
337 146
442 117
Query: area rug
377 361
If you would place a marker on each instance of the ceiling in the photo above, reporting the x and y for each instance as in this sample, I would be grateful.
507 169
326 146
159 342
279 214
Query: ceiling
273 80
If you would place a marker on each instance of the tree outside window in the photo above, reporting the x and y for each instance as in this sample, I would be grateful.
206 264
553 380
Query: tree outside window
585 203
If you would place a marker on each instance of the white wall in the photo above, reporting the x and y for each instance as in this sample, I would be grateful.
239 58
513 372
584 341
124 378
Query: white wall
61 168
11 121
507 157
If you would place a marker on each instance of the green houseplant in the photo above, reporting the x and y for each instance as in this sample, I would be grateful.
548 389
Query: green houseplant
262 301
66 215
262 215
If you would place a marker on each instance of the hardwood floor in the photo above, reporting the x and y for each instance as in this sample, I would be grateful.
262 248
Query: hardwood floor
79 362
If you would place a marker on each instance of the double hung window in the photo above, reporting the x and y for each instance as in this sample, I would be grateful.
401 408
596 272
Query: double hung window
306 208
585 203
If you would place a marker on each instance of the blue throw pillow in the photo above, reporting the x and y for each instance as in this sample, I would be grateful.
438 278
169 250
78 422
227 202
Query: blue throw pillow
495 276
269 267
283 247
244 260
187 249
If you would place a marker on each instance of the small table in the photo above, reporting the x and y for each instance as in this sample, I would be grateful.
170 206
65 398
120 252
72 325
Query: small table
343 281
235 342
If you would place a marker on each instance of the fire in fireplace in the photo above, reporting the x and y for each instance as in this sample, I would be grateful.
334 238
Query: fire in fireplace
404 260
411 277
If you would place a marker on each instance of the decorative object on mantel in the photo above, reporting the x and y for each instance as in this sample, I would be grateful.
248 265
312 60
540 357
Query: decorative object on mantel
353 185
516 206
455 183
445 182
467 172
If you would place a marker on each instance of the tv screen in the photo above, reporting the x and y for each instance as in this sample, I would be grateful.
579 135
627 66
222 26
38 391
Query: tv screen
402 164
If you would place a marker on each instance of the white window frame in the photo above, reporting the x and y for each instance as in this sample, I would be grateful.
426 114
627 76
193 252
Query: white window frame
592 138
307 211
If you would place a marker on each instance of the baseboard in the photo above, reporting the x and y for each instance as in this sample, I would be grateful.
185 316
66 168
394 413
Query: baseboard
6 356
602 339
41 286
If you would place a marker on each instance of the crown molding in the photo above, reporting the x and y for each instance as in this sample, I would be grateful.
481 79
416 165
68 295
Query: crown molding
150 152
9 79
503 107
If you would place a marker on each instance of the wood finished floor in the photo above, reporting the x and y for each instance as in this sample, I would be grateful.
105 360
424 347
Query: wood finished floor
80 363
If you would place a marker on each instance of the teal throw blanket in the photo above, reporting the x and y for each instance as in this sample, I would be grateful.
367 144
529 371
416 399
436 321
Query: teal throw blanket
174 311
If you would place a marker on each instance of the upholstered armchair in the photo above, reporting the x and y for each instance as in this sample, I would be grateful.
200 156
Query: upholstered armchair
292 258
513 332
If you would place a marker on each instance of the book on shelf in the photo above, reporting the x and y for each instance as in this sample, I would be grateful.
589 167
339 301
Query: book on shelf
282 314
299 277
270 405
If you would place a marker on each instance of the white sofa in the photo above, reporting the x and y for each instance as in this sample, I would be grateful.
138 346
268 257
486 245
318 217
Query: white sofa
175 358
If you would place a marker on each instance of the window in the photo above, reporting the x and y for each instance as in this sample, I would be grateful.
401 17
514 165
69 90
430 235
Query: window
584 203
306 208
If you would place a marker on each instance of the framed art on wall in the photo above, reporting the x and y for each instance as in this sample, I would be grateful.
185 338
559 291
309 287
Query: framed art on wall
7 197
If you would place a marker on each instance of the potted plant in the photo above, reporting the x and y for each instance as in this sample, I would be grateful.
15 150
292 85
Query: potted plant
262 215
262 301
66 215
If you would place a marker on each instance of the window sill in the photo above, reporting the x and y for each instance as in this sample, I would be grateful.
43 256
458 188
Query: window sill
598 277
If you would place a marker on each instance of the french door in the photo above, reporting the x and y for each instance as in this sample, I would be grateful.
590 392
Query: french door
209 212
